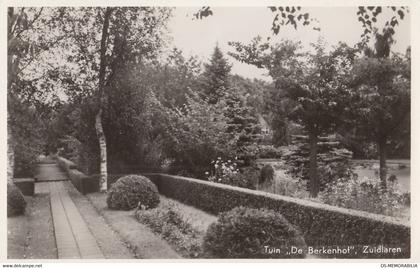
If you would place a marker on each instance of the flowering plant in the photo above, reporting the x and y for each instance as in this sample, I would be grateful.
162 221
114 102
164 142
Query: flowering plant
223 171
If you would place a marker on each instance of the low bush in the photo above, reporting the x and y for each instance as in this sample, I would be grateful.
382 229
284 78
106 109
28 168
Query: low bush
168 223
247 232
132 191
227 172
16 203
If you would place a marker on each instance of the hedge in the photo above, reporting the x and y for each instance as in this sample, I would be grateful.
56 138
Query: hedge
321 225
83 183
25 185
66 164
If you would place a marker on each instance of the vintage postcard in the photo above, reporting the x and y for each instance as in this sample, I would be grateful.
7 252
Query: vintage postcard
172 130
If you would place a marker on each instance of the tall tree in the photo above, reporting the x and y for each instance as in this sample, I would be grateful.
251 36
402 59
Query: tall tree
381 95
216 76
30 35
129 35
314 82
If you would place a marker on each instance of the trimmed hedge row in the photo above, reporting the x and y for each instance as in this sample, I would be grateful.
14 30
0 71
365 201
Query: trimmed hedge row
66 164
25 185
321 225
83 183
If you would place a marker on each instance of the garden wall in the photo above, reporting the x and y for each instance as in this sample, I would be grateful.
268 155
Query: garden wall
321 225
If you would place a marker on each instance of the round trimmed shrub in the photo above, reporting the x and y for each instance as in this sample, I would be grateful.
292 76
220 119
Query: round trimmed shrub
251 233
16 203
132 191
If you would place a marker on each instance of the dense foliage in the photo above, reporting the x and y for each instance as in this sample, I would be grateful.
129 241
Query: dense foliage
132 191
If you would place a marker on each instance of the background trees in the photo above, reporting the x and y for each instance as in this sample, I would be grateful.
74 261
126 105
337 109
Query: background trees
381 96
128 36
30 97
215 78
315 83
151 108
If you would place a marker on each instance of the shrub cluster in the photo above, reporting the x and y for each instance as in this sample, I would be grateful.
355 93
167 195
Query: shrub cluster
228 172
16 203
333 225
247 232
132 191
168 223
366 195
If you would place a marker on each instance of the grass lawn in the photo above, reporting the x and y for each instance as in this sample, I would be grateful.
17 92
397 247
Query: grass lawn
141 240
31 236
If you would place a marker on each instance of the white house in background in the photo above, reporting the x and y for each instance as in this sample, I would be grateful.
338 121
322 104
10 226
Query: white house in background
265 128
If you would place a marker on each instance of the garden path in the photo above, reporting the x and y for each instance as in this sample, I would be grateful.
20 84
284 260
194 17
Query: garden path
49 171
80 230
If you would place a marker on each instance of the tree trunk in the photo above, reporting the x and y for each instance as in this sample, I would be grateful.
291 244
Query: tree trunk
313 165
10 153
10 74
382 161
102 147
101 102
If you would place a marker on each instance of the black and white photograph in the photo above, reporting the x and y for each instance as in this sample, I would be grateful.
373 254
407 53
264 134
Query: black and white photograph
208 132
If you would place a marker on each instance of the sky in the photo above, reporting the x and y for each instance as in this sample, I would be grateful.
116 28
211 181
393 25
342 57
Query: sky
199 37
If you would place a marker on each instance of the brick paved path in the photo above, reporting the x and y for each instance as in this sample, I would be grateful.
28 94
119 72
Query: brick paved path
73 237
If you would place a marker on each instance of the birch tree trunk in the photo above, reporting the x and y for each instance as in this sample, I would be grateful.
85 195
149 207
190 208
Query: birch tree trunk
103 155
103 183
10 153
